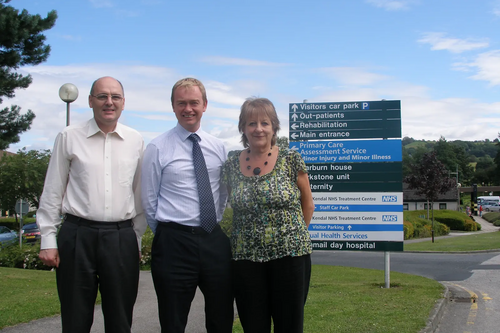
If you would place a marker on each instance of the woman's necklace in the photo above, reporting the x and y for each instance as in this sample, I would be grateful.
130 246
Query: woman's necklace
257 170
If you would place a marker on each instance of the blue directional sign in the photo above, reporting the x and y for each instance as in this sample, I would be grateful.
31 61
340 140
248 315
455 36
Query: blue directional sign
356 227
356 184
349 151
358 208
347 120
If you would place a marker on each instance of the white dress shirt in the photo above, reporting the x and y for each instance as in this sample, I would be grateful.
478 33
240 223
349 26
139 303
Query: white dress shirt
169 190
92 175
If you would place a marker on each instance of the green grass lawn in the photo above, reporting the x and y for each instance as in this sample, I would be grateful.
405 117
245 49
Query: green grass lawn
483 241
26 295
341 299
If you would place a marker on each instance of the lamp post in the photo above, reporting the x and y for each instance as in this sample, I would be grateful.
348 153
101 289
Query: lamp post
458 188
68 93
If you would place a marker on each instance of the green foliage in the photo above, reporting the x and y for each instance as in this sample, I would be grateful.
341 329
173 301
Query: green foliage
408 230
429 177
21 43
12 124
11 223
26 257
454 220
22 176
492 217
452 223
422 228
454 156
470 226
227 221
147 243
282 142
473 158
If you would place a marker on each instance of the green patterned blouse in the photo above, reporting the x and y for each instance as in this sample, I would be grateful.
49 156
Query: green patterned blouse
267 214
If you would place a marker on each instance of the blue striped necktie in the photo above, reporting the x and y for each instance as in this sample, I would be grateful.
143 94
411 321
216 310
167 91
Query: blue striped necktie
208 218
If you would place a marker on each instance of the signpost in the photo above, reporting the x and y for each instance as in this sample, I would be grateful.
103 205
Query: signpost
353 155
22 208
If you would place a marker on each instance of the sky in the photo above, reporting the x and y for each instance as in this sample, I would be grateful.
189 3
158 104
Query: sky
440 58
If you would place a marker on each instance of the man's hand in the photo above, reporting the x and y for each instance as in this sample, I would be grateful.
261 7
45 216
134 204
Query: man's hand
49 257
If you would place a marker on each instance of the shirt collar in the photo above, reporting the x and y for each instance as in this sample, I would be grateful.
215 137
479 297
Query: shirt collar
184 134
93 129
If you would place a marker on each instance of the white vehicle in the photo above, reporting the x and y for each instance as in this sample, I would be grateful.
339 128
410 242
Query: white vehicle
488 200
491 207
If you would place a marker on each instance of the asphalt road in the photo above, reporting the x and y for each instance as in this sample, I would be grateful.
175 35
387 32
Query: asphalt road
472 305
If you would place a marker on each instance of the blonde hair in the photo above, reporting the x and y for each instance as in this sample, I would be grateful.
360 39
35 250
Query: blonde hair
187 83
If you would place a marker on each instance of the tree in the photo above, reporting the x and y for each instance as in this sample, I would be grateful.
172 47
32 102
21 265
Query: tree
485 171
22 177
497 160
454 156
21 44
282 142
430 178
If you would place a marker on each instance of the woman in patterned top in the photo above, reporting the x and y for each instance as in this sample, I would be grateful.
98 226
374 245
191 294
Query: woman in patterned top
272 207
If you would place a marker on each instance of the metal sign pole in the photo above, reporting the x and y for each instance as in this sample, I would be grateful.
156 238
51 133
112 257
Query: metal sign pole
387 266
20 223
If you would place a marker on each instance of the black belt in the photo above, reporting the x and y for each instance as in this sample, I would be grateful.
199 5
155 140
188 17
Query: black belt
98 224
185 228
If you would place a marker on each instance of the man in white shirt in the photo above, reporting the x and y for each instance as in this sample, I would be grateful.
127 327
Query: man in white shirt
93 179
190 249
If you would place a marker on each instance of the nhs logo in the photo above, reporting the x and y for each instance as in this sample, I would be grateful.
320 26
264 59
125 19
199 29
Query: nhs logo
389 198
389 218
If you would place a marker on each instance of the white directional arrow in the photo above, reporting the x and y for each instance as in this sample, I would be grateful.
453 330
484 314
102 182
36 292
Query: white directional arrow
294 107
294 117
296 149
294 136
294 126
349 227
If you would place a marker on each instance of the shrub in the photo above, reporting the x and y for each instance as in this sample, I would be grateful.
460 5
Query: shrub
422 227
408 230
470 225
492 217
31 214
11 223
452 223
25 257
441 229
455 220
227 221
147 242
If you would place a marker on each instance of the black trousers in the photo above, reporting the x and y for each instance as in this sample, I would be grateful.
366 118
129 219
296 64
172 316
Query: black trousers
275 289
184 258
95 255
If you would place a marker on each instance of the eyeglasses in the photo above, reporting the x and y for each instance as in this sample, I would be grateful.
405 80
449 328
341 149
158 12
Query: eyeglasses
104 97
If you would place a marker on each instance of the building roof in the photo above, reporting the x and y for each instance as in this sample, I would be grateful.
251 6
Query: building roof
412 196
8 153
